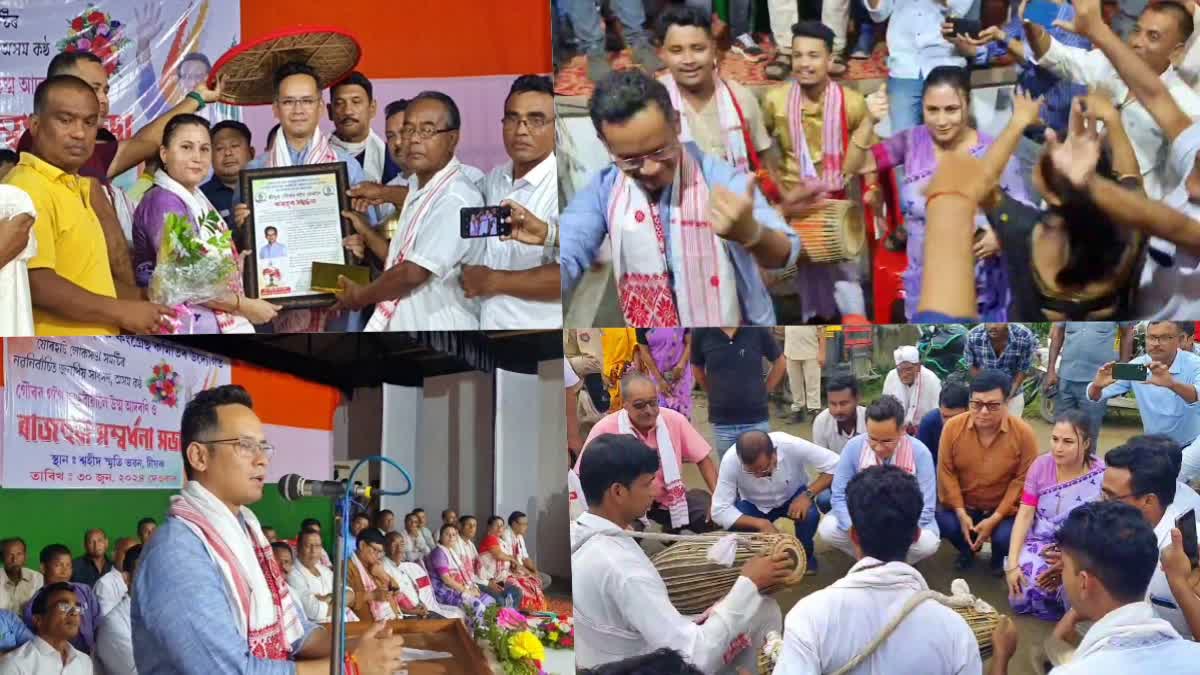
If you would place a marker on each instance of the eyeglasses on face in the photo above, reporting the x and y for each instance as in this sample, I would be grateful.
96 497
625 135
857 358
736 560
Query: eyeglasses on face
990 406
68 609
424 133
247 448
664 154
535 123
306 102
642 405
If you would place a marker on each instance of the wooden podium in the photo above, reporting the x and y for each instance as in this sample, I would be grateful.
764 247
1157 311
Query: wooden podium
439 635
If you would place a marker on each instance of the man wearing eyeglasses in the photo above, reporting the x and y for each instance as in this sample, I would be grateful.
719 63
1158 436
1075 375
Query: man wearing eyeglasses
1168 399
517 284
56 622
688 232
766 478
210 596
1141 473
885 444
57 568
982 462
1007 347
421 288
301 142
677 443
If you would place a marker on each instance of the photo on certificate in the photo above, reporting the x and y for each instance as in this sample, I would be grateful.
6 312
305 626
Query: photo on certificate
295 221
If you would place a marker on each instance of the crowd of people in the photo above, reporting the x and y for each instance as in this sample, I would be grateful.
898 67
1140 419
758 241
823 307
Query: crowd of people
885 482
85 252
1079 208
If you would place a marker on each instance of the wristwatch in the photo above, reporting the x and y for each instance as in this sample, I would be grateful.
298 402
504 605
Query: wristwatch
809 494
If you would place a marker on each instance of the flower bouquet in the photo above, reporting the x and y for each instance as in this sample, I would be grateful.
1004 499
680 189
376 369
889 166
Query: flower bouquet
96 32
193 268
517 648
556 631
164 385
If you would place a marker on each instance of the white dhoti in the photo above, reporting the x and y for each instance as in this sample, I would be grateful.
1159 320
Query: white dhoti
829 532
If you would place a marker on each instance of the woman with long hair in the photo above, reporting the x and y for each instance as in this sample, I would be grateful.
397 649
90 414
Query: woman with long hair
947 128
1068 476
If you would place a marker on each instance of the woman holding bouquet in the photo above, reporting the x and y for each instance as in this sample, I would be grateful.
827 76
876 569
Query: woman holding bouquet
183 252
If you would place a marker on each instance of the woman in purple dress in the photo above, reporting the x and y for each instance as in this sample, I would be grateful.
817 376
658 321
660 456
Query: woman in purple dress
1070 475
187 160
452 580
946 104
665 356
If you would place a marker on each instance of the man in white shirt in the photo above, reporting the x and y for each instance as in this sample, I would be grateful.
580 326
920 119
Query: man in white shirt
518 284
420 288
844 418
114 585
915 386
766 479
828 628
18 584
311 581
114 637
1109 557
56 621
621 603
1159 39
351 108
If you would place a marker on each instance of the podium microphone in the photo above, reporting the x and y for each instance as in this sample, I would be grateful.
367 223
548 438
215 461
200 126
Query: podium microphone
292 487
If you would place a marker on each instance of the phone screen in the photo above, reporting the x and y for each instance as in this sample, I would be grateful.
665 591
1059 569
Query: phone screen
485 221
968 27
1187 526
1130 372
1042 13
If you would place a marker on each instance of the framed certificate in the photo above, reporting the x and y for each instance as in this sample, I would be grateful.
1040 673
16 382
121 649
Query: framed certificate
295 221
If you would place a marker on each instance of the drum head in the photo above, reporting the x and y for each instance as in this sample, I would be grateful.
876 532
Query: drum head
249 68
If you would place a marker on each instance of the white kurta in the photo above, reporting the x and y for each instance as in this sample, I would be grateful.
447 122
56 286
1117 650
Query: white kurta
828 628
433 231
306 586
537 191
1158 594
37 657
110 589
414 583
114 641
919 398
825 430
798 459
622 609
1129 641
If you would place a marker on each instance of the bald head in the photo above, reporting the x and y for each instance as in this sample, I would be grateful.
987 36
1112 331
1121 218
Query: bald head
639 397
752 445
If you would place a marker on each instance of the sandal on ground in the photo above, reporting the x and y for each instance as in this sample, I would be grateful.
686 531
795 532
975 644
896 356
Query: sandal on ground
780 68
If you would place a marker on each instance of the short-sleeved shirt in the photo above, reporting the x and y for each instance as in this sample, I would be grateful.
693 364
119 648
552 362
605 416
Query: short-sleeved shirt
690 447
1162 410
776 116
801 343
70 239
1018 354
733 367
705 124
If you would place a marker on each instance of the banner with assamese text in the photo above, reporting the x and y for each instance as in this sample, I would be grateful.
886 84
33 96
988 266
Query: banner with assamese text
99 412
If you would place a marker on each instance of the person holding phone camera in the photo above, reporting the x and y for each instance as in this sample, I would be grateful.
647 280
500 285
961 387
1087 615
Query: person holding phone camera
1168 395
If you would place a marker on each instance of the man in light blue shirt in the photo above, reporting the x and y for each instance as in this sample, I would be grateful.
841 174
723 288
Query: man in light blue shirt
890 445
185 613
915 47
634 117
1169 399
13 632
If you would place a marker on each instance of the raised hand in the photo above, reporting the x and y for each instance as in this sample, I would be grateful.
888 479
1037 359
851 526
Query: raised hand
1075 158
732 215
1026 109
877 104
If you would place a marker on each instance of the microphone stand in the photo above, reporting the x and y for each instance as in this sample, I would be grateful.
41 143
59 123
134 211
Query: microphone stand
341 520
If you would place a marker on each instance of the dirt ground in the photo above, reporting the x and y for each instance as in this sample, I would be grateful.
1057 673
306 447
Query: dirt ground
938 570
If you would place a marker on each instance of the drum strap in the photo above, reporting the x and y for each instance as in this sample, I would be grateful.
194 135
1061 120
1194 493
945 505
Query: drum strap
765 182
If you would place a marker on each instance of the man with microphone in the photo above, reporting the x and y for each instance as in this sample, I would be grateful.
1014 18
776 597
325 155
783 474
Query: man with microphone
211 598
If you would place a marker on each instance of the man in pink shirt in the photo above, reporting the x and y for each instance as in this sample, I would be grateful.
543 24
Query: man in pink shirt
677 441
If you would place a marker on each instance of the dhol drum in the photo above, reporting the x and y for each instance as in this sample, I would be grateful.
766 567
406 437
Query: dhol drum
695 583
832 232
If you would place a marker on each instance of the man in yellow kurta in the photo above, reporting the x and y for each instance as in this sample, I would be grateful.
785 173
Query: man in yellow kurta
822 115
720 116
70 279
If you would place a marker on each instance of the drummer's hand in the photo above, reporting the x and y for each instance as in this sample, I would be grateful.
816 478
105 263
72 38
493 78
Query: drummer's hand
768 571
354 243
1004 639
211 95
803 198
350 295
732 214
241 213
873 196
